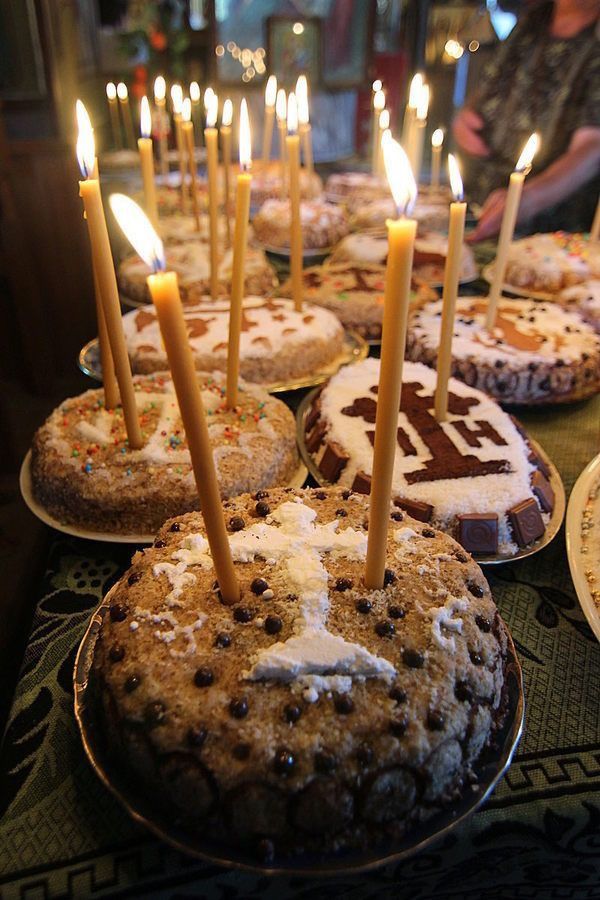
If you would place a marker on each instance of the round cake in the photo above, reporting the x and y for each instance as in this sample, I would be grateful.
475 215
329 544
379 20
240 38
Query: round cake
315 714
583 298
323 224
475 476
550 262
84 474
356 187
429 261
191 261
266 184
353 292
179 229
537 353
168 194
277 344
430 212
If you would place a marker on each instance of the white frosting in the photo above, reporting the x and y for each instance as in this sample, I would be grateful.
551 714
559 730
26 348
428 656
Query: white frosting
311 686
313 213
373 248
444 617
551 260
270 327
179 579
585 299
449 496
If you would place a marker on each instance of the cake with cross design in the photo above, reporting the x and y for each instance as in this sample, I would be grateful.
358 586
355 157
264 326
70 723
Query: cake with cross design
354 292
191 262
314 714
277 343
537 353
474 476
323 224
85 475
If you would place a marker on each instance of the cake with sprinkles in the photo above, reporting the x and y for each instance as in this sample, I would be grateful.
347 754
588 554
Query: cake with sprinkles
314 714
277 343
584 299
354 292
85 475
552 261
474 476
429 261
191 262
323 224
537 353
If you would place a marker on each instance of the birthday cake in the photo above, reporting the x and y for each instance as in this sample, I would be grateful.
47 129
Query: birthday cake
430 212
277 344
353 292
85 474
323 224
429 259
537 353
315 714
191 261
550 262
474 476
583 298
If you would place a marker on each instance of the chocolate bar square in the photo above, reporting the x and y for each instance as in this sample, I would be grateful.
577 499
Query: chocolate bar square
315 438
543 491
415 508
478 532
527 523
539 462
333 462
362 483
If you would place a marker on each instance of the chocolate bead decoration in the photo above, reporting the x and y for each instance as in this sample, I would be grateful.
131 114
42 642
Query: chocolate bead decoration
132 683
260 495
396 612
236 523
243 614
343 584
344 704
414 659
204 677
259 586
435 720
475 589
385 629
365 755
196 736
239 708
262 509
116 653
389 577
398 726
397 694
463 692
483 624
175 527
223 640
292 713
154 713
119 612
325 762
284 761
364 606
160 544
134 578
273 624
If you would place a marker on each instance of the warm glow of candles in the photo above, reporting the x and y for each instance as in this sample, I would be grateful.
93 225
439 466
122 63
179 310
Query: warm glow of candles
208 94
160 89
164 291
111 96
227 114
226 120
104 273
177 99
456 231
122 92
379 101
509 220
383 125
270 99
293 154
147 160
437 139
377 85
211 137
123 95
417 132
194 92
416 86
401 239
414 93
281 113
177 104
423 103
378 106
304 121
160 93
242 215
111 90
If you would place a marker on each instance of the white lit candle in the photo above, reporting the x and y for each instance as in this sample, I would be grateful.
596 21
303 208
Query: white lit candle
211 138
304 121
281 113
383 125
123 95
147 160
111 96
270 98
437 139
160 102
226 120
293 153
414 93
378 106
418 132
187 128
177 101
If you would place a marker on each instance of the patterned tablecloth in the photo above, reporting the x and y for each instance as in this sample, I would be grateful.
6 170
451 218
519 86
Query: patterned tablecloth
63 835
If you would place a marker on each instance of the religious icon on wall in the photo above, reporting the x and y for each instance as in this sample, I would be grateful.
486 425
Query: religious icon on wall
294 48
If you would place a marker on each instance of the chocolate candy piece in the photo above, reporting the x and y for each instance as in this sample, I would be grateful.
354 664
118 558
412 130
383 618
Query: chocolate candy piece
118 612
238 708
344 704
259 586
313 415
284 761
362 483
343 584
478 532
333 462
204 677
243 614
543 491
315 438
292 713
422 512
527 523
236 523
539 462
273 624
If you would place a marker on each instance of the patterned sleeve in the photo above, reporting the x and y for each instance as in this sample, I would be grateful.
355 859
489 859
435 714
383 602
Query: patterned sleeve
590 108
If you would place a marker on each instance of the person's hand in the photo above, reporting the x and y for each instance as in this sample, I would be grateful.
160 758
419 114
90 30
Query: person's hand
490 219
465 128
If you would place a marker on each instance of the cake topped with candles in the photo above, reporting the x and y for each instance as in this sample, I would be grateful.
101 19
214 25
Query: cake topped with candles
277 343
266 184
552 261
323 224
313 714
191 262
536 353
472 475
431 250
354 292
85 473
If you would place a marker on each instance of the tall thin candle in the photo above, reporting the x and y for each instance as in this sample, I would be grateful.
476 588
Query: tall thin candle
123 95
147 161
437 139
401 241
111 96
164 291
378 105
211 136
187 127
270 98
414 93
304 128
293 155
162 123
226 120
177 101
281 113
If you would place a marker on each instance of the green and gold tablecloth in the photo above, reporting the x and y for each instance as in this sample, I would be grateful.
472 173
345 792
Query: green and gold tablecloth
62 834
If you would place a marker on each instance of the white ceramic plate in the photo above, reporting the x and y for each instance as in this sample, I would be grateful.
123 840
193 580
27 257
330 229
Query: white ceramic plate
44 516
583 503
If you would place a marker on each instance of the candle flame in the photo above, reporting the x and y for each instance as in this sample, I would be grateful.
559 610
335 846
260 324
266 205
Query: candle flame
86 146
423 103
194 91
456 184
302 99
160 89
414 93
122 92
529 151
227 114
138 230
245 141
281 105
377 85
399 175
145 118
437 138
186 110
292 114
271 91
177 98
212 110
384 119
111 90
208 93
379 101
